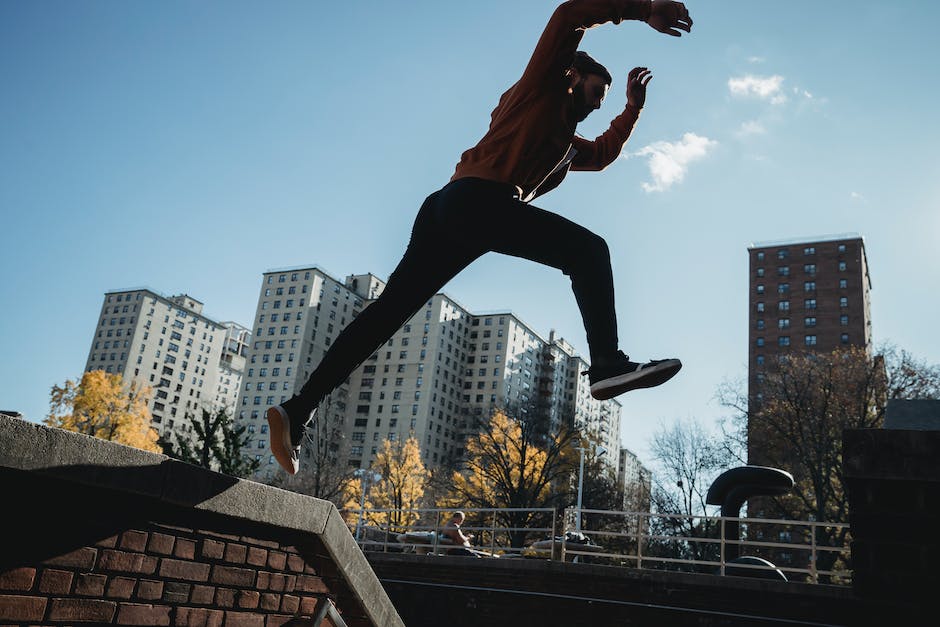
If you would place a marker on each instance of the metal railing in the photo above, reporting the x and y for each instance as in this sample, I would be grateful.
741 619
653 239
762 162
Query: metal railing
808 551
816 552
498 531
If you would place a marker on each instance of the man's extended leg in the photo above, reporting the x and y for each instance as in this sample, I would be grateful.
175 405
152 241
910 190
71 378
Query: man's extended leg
429 262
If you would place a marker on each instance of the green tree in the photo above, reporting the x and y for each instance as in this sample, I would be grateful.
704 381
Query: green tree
218 443
101 405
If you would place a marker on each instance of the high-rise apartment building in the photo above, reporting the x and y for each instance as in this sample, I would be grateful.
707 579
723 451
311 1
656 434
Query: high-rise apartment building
437 378
168 344
299 313
806 295
232 366
636 482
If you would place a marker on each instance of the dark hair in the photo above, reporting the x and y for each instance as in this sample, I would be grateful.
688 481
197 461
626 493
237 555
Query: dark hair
584 64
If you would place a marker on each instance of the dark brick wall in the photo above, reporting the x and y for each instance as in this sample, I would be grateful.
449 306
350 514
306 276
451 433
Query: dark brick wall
430 591
893 479
90 556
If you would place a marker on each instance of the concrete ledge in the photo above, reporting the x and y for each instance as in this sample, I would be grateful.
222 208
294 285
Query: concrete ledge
79 459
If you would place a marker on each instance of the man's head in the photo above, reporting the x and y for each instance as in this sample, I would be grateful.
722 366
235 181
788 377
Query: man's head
458 518
589 84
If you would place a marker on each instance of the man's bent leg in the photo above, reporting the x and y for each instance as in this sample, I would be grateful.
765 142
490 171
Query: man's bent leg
584 256
547 238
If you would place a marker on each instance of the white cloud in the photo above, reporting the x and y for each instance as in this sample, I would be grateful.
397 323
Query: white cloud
857 197
802 92
756 59
751 127
763 87
669 161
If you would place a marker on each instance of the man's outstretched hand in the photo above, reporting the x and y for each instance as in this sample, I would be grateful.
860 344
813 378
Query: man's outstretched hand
637 80
669 17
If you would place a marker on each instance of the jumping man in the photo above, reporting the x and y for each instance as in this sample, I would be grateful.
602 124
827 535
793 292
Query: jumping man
527 151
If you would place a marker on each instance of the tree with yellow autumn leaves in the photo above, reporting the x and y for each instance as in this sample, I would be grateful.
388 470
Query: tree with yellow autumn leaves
513 464
399 489
103 406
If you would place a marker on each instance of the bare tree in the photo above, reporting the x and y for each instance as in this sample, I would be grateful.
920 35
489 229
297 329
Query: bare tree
909 377
688 459
803 404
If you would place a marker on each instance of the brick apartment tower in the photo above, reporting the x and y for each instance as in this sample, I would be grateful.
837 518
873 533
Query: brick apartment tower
804 295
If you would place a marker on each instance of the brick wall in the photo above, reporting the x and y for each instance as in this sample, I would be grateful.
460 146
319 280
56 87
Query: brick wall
96 532
467 592
84 557
161 575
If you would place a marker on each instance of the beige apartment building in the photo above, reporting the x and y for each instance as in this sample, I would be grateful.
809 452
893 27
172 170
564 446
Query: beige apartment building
232 366
636 481
299 312
165 343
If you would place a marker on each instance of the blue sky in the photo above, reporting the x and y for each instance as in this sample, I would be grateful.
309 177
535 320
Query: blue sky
324 126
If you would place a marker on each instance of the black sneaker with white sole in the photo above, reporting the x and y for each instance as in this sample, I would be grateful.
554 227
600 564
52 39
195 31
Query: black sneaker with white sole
623 375
286 437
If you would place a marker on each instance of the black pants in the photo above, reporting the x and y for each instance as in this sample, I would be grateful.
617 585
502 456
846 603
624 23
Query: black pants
456 225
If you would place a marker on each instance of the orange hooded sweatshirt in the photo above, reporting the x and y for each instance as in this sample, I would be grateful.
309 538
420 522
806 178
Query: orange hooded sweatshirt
531 136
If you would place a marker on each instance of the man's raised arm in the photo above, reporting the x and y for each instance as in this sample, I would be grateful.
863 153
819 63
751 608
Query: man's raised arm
559 41
604 150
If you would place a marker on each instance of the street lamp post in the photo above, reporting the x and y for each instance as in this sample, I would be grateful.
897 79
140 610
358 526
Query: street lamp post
365 477
600 451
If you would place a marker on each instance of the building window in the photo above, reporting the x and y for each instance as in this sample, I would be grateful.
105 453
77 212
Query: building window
809 303
760 341
842 266
783 305
844 320
760 307
760 360
783 288
760 288
810 340
809 322
760 324
783 253
841 248
760 256
844 338
783 271
809 250
843 302
760 272
783 340
783 323
843 283
809 286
